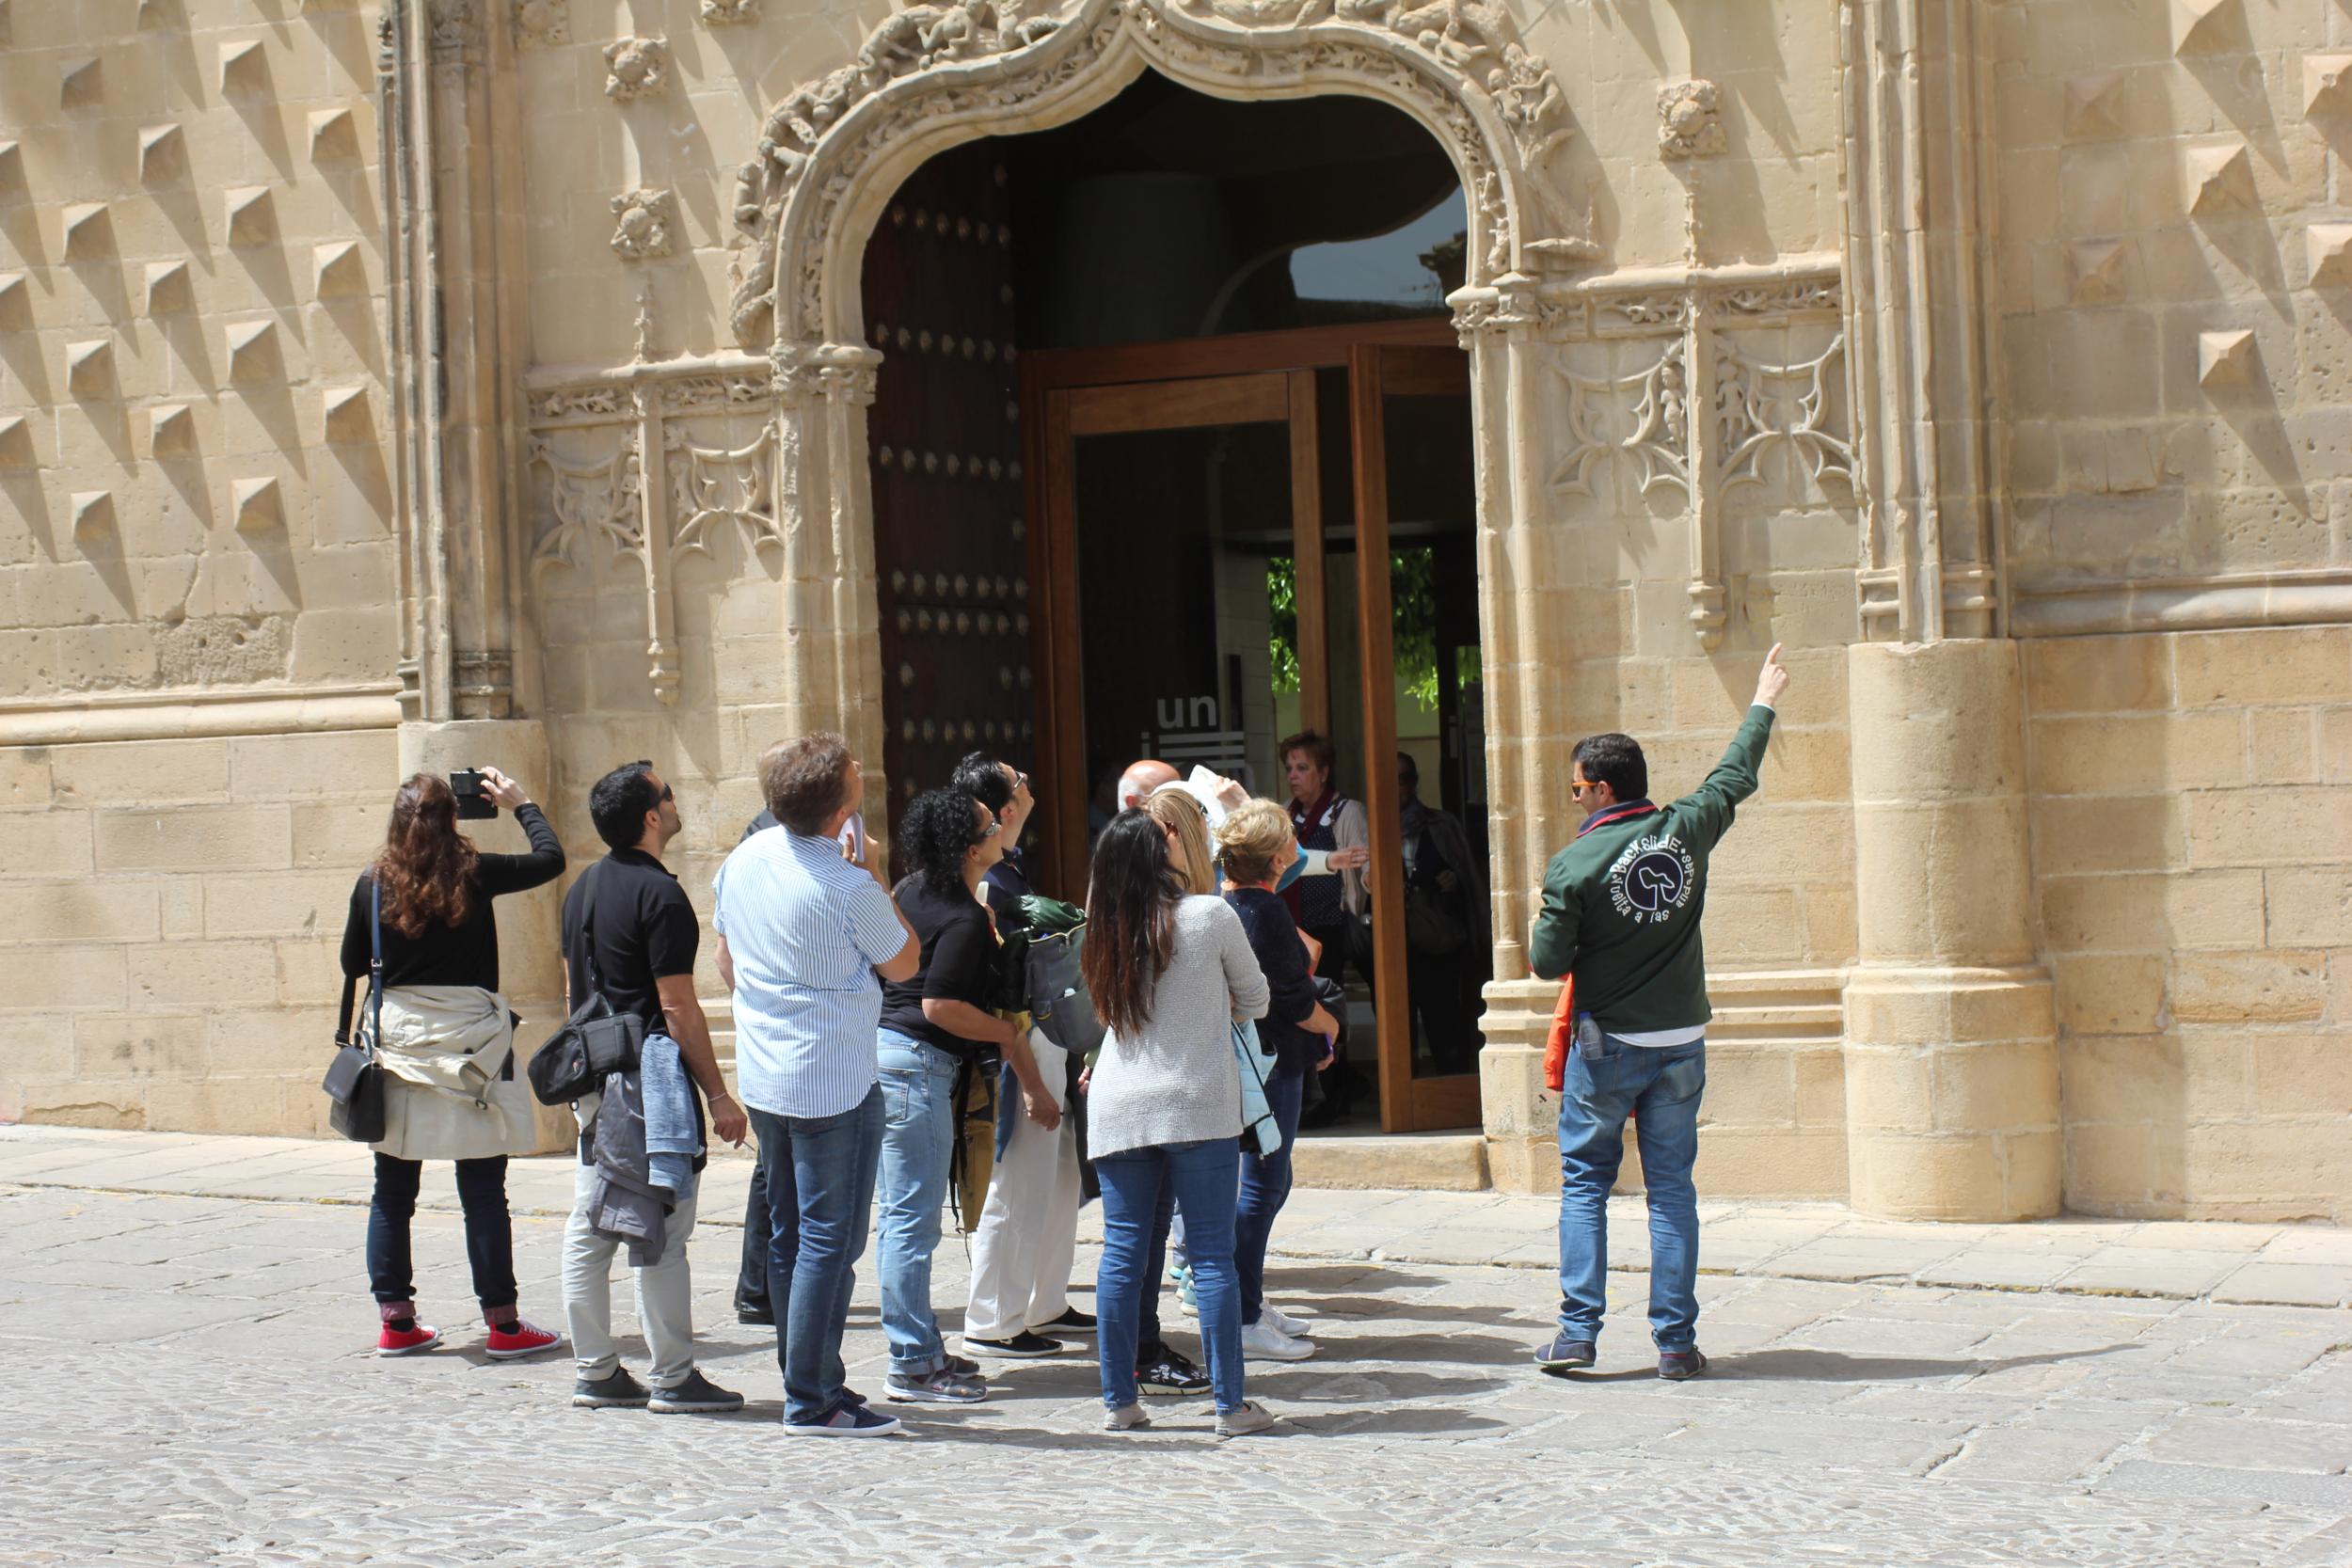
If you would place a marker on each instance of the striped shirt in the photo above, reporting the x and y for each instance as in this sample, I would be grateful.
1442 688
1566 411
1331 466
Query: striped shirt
804 928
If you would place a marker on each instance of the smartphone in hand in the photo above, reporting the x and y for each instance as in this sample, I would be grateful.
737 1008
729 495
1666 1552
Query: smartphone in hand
473 796
853 837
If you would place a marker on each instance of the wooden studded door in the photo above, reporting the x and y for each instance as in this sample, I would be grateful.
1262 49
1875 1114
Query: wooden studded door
945 435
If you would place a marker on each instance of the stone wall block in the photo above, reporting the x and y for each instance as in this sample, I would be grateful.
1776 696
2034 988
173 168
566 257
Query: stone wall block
2097 675
2300 664
2139 753
140 772
62 979
199 974
81 910
194 838
2145 832
2138 913
2111 993
1936 732
2288 825
2270 986
45 843
1944 879
24 778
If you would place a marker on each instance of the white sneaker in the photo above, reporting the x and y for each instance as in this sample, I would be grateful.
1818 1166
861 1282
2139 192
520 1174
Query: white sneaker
1269 1313
1263 1342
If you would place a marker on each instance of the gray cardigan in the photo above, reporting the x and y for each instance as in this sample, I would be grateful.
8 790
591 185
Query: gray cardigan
1177 1080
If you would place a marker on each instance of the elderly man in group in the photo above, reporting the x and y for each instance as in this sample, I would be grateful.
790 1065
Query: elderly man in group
806 935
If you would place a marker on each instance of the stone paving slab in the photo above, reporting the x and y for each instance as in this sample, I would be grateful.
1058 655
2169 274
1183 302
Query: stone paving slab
224 1411
2166 1260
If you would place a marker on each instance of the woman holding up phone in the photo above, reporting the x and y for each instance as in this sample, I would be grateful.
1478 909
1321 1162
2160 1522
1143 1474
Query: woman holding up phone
450 1090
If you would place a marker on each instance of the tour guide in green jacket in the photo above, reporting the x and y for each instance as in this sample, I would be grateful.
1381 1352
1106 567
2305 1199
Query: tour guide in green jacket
1622 906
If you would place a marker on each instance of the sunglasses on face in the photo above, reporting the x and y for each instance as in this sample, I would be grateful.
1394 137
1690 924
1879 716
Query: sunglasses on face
1579 790
667 795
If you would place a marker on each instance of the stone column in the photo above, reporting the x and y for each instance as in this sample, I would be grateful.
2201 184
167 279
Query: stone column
530 959
1951 1040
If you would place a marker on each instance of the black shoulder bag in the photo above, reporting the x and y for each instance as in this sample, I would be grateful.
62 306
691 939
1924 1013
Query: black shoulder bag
594 1040
354 1080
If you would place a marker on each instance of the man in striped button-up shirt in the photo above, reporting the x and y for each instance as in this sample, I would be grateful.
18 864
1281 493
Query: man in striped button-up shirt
805 937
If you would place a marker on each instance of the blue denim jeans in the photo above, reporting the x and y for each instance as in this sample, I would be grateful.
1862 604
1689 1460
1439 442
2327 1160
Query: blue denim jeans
1265 1186
1202 1175
918 1086
819 1176
1659 1088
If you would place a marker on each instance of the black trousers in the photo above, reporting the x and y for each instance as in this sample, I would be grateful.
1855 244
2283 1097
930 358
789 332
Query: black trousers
490 1230
751 1280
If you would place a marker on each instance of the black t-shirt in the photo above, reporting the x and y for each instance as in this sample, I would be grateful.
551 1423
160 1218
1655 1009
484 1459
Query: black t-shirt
646 930
1290 987
959 951
466 954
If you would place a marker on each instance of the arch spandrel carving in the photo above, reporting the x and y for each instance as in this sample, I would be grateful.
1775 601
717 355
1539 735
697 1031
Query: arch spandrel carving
934 76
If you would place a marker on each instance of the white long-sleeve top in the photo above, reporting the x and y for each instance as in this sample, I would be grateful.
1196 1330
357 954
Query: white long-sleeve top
1176 1080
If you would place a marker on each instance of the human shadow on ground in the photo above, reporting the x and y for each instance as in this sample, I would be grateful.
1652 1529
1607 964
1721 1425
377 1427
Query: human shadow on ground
1379 1309
1797 1365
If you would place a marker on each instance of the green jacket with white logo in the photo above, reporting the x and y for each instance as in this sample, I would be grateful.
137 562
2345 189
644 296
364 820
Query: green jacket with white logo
1622 902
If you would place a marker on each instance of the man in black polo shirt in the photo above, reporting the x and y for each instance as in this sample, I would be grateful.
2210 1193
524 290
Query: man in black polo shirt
629 932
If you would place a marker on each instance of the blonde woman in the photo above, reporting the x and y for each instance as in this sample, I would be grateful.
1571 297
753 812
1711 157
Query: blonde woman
1256 846
1185 822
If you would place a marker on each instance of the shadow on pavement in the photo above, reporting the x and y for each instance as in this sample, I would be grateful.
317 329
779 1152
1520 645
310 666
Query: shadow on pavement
1828 1366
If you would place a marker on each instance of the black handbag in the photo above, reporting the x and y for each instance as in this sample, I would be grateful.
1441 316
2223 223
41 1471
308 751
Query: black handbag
354 1079
594 1040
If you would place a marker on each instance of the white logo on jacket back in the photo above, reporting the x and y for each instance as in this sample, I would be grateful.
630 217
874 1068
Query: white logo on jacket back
1652 878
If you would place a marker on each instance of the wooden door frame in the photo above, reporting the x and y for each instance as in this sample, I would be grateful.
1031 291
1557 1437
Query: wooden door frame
1249 378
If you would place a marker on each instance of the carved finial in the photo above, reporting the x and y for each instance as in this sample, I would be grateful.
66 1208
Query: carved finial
170 287
2327 249
2092 102
2225 358
2098 269
638 67
2219 179
257 504
1688 124
89 367
648 225
543 21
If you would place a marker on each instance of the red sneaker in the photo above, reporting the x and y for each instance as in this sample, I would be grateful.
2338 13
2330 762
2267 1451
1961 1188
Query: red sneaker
509 1341
393 1341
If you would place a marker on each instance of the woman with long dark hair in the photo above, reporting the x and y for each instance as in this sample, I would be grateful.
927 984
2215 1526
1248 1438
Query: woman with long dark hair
1168 972
451 1089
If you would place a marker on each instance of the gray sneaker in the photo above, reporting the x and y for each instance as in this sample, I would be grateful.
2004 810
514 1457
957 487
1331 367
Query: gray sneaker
944 1386
616 1390
1127 1417
696 1396
1251 1416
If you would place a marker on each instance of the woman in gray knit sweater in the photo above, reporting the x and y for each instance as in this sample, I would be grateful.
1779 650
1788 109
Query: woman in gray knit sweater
1168 973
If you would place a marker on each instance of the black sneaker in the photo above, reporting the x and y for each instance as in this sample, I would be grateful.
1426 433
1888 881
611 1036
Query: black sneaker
1565 1354
1680 1365
1171 1373
615 1391
849 1418
696 1396
1072 1321
760 1313
1024 1346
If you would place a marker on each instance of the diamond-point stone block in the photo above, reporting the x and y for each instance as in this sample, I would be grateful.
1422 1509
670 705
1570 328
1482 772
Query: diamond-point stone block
89 231
16 299
2098 270
2327 85
170 287
2220 180
252 217
244 67
2093 102
163 152
2327 249
334 135
252 350
257 505
338 270
16 442
80 83
172 431
89 367
345 415
2200 26
12 165
2225 358
93 512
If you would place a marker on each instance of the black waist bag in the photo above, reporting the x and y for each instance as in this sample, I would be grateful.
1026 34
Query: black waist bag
594 1040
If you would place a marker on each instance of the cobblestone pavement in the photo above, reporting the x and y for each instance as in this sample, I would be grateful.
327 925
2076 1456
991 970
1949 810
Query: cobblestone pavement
189 1387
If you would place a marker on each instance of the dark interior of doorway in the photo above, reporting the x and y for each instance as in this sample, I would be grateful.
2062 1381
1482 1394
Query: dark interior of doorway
1164 215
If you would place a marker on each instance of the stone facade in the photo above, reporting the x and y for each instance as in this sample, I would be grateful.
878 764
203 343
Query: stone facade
425 382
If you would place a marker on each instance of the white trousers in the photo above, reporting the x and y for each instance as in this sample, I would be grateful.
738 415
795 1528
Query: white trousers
665 1307
1028 1230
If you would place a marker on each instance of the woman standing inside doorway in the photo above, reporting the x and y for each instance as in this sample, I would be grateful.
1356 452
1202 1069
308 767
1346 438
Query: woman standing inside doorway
1326 909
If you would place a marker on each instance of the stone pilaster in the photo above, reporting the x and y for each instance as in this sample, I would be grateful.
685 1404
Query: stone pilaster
1951 1049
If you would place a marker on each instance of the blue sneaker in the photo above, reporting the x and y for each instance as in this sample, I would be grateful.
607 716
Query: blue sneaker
849 1418
1565 1354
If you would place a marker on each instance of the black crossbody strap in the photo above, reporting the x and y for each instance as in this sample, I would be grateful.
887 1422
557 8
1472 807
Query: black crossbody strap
376 963
588 933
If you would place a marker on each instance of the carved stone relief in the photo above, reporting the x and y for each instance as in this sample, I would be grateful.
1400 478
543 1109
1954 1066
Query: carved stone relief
729 13
647 226
543 21
638 68
1689 121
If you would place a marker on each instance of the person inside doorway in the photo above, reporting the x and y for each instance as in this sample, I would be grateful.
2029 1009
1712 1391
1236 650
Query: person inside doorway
1333 835
1445 925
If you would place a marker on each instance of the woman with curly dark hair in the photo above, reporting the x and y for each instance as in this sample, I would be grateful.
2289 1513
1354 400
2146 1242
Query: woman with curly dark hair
935 1025
450 1090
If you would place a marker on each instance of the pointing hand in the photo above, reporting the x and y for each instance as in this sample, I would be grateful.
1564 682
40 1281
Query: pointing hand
1773 679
